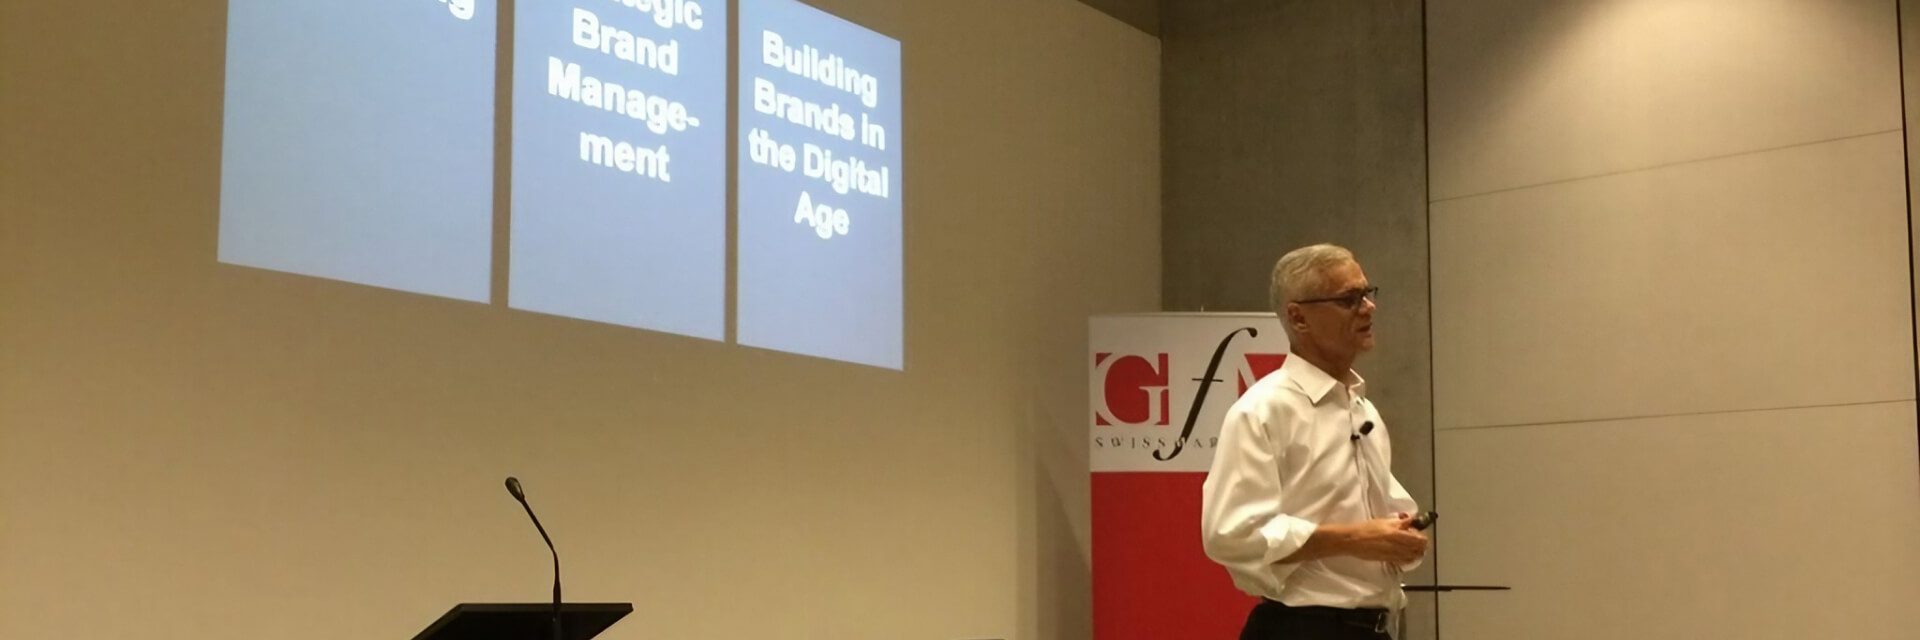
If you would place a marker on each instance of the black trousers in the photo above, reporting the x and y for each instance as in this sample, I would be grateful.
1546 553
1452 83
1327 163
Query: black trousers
1274 621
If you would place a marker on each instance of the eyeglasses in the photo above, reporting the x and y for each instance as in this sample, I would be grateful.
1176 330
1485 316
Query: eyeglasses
1349 300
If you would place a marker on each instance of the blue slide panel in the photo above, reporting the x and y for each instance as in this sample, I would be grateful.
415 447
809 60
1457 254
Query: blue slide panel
619 163
819 186
358 142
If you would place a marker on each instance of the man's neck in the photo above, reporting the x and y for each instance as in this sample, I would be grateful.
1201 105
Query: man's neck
1337 369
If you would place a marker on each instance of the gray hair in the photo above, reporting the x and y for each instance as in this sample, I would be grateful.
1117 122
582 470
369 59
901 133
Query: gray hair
1303 272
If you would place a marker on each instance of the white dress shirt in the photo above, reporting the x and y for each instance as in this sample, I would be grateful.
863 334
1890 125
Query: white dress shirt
1287 461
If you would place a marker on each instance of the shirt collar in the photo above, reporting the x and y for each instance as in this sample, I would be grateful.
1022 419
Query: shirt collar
1309 379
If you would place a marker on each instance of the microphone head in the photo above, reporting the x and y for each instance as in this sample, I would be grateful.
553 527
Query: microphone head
1366 427
513 487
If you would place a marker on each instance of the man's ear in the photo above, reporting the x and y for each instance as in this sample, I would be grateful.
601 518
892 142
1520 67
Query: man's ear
1295 318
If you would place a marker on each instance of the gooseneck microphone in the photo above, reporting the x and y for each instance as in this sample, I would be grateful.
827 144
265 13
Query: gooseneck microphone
513 487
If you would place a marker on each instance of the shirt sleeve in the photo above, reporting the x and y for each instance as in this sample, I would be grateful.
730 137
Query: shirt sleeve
1242 526
1398 499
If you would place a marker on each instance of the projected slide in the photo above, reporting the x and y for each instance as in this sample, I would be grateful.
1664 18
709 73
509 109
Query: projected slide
619 163
819 186
358 142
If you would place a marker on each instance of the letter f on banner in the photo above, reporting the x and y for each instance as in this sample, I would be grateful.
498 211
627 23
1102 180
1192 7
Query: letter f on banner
1200 395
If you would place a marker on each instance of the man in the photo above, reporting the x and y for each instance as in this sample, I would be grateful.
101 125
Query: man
1301 505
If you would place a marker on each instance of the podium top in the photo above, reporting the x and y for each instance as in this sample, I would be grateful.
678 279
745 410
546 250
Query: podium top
524 621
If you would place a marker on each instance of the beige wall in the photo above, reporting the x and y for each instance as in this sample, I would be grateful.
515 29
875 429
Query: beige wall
192 450
1673 342
1142 14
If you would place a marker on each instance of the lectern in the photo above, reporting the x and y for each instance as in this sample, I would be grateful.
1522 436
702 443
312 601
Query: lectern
579 621
1447 588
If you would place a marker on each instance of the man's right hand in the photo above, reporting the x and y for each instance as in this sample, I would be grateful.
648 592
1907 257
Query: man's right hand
1385 540
1388 540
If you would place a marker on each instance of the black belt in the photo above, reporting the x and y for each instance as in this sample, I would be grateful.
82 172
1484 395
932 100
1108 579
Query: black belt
1370 618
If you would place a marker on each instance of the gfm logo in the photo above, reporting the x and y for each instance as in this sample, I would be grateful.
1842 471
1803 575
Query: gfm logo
1134 388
